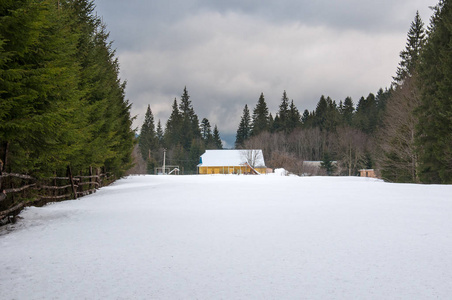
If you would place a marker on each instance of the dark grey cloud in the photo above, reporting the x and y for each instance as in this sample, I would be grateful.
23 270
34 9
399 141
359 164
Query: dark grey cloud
228 52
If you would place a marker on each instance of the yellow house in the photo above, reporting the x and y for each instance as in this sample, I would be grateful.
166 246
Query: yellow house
232 162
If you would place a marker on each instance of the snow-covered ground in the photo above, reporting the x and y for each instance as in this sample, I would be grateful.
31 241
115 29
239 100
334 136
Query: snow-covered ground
235 237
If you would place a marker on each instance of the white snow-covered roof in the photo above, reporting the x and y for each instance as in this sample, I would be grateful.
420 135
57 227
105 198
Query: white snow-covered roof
218 158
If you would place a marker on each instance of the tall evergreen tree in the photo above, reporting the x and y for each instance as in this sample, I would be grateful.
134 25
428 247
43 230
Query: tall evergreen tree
260 122
189 121
206 133
366 116
294 118
216 138
305 118
159 133
148 136
410 56
244 129
347 111
173 127
321 113
281 124
435 111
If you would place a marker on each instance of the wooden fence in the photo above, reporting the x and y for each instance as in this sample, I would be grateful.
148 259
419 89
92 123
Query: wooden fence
18 190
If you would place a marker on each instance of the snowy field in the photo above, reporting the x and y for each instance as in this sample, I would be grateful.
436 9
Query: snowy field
235 237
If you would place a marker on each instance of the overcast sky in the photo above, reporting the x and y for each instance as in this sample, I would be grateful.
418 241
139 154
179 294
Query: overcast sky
229 52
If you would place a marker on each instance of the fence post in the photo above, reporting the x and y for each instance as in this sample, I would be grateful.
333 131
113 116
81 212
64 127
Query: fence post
90 178
1 173
71 179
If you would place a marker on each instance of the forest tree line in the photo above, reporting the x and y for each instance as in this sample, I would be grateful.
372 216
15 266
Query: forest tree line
62 102
332 132
184 138
404 131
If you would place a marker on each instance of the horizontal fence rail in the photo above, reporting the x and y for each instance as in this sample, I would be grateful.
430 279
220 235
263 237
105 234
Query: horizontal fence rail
20 190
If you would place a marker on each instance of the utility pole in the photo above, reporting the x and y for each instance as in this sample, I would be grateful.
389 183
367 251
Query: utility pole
164 160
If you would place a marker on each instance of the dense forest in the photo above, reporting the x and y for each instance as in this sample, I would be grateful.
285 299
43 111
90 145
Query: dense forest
404 131
332 132
184 138
62 102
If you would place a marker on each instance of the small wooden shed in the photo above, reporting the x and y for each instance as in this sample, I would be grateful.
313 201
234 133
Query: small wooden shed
367 173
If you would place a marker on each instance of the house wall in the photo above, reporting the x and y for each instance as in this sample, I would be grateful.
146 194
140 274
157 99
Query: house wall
367 173
229 170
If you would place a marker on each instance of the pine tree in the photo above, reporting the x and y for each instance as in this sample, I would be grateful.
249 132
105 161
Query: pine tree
305 117
347 111
281 124
332 116
173 133
148 137
398 158
189 121
410 56
159 133
366 116
260 122
272 124
206 133
216 138
294 119
321 112
244 129
434 131
327 164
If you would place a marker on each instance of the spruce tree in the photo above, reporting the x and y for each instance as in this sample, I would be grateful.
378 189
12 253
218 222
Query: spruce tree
434 131
366 116
173 127
321 113
347 111
159 133
410 56
244 129
206 133
260 122
305 118
216 138
294 118
281 124
148 138
189 121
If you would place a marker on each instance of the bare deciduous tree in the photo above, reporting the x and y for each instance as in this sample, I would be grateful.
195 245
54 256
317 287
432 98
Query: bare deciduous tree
252 157
288 161
350 145
398 160
307 144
